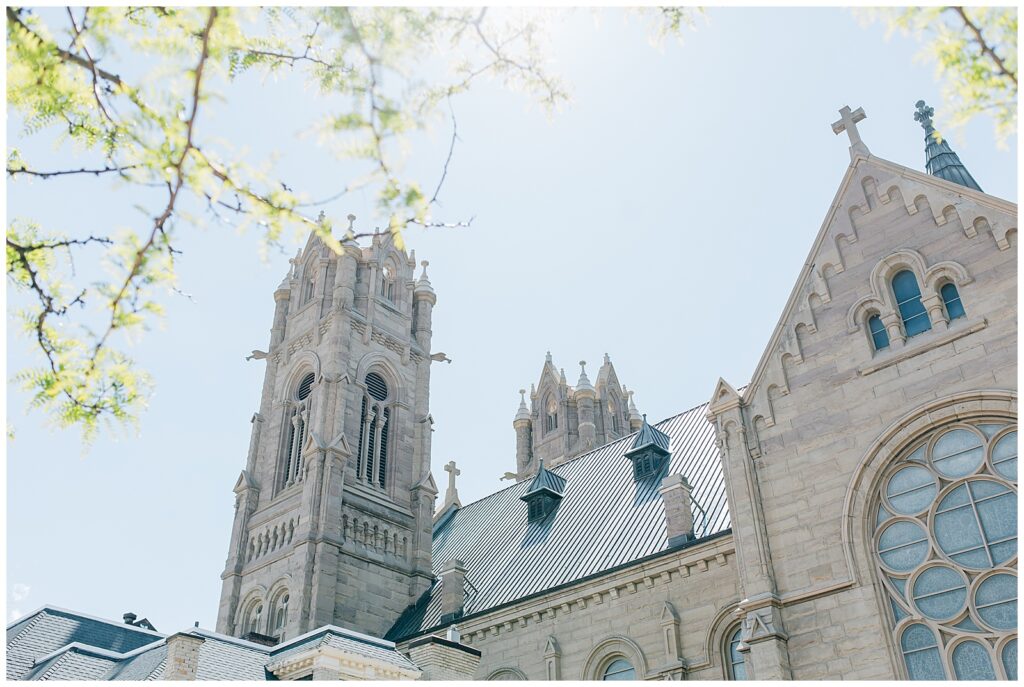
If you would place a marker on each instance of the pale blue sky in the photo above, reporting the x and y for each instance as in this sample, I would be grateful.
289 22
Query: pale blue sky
662 218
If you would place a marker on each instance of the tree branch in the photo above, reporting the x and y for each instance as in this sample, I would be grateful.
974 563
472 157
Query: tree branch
46 175
986 49
64 55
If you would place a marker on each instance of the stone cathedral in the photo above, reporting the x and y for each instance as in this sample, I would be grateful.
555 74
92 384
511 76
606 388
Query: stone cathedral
849 512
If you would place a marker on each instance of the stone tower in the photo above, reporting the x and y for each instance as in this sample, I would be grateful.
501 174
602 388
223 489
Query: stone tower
333 509
563 421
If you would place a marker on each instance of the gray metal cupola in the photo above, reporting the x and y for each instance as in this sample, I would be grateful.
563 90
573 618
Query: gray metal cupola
544 493
649 451
940 160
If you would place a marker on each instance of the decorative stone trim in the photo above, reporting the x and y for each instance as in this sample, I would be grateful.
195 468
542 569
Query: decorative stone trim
920 344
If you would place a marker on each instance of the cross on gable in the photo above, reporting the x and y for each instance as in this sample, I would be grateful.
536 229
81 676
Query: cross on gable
848 122
453 472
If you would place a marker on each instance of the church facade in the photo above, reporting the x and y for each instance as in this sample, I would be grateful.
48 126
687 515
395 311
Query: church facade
848 513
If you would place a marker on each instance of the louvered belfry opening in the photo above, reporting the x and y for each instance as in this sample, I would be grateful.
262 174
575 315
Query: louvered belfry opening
297 420
372 461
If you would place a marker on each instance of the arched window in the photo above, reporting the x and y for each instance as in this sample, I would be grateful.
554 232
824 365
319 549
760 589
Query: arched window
736 669
879 337
951 298
619 669
387 283
372 463
253 622
551 415
908 299
945 546
297 420
280 616
613 410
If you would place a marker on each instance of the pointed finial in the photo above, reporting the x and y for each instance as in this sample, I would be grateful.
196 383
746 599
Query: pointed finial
424 264
939 158
923 114
562 375
547 357
321 217
607 360
524 412
584 385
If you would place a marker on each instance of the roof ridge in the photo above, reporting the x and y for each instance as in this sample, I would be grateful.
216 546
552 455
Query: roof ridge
57 610
582 455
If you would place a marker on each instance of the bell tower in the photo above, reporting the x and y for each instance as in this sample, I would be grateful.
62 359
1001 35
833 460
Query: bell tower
333 510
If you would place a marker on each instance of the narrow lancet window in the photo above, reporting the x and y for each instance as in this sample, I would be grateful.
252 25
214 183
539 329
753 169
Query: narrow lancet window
372 461
908 299
879 337
298 419
951 298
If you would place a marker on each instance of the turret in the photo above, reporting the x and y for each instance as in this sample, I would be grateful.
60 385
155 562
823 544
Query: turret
524 435
585 397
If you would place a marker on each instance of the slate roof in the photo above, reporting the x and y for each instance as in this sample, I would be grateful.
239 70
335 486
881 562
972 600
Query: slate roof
606 519
49 629
55 644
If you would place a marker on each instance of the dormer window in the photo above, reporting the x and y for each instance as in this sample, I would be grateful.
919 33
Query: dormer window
650 451
544 494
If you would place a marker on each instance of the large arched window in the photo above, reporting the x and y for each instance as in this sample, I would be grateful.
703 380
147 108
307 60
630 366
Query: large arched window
908 299
372 464
295 434
619 669
945 546
736 669
951 299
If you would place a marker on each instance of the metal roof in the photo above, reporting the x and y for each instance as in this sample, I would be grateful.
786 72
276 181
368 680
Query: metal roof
940 160
606 519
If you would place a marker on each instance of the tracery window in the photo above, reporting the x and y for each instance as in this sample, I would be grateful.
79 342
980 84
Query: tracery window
879 337
297 420
951 299
619 669
252 623
908 300
945 546
736 669
551 416
280 617
372 463
387 283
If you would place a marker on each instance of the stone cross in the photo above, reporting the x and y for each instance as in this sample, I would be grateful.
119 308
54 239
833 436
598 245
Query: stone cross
452 495
848 123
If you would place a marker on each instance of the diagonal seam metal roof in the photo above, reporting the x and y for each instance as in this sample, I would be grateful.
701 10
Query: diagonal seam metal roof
606 519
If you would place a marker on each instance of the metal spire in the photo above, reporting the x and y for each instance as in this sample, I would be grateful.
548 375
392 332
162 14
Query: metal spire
939 158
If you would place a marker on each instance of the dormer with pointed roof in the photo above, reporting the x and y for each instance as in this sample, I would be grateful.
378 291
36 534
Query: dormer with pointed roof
544 493
649 451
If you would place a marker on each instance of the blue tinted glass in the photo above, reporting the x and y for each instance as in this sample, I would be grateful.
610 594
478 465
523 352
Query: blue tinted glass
908 298
1004 456
940 592
911 490
1010 659
737 668
921 654
903 545
619 669
957 453
951 297
879 337
971 662
996 601
968 624
898 613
